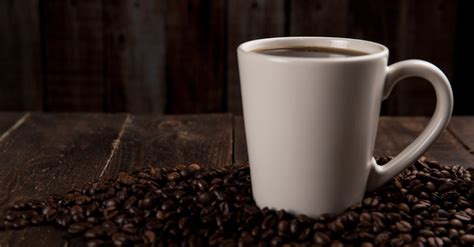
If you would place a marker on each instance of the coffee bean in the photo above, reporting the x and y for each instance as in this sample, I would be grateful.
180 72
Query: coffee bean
365 217
336 226
463 216
321 238
129 228
95 243
403 226
120 239
36 220
276 241
337 243
366 244
294 226
79 228
427 204
19 224
426 233
382 239
64 220
467 239
455 223
435 241
172 176
205 197
305 234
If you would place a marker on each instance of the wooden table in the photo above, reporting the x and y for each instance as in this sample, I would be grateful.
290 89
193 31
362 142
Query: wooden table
42 154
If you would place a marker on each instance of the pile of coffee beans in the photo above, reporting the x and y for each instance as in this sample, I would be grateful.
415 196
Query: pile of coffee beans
428 204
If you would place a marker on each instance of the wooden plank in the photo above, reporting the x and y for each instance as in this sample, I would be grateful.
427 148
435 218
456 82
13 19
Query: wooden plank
427 32
319 18
74 49
248 20
171 140
20 56
8 120
52 154
240 142
463 129
195 56
134 49
395 133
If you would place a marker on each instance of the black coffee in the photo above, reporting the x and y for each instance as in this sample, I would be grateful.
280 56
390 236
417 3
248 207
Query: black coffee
310 51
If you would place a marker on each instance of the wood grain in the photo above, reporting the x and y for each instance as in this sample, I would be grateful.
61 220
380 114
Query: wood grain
134 47
171 140
52 154
248 20
8 120
20 56
240 141
463 129
395 133
195 56
319 18
426 31
74 50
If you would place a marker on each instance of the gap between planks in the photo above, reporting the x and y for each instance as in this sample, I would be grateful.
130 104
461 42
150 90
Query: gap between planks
459 140
116 143
15 126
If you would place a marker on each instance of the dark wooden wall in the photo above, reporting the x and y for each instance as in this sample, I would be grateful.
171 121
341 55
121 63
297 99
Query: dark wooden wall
178 56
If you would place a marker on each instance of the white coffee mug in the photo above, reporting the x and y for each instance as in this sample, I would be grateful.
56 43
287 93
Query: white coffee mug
311 122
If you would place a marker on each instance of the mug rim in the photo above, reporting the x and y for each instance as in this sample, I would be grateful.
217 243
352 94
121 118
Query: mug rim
374 50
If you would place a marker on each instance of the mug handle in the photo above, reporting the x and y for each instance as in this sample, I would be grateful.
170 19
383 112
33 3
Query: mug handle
440 119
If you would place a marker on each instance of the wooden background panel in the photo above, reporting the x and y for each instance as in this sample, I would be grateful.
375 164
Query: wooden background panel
427 32
134 43
247 20
20 55
195 56
74 50
318 18
179 56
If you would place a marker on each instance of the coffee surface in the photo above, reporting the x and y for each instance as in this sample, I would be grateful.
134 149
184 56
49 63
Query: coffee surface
310 51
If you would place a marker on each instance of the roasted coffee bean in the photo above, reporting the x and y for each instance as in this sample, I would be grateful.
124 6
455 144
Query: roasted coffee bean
435 241
321 238
337 243
77 228
20 223
467 239
403 226
36 220
95 243
168 205
284 227
365 217
336 226
463 216
427 204
382 239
